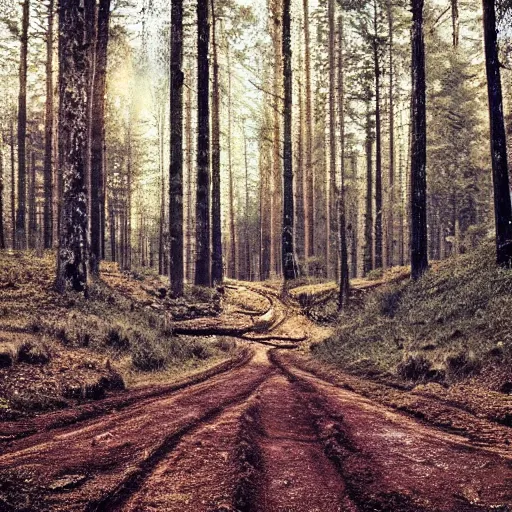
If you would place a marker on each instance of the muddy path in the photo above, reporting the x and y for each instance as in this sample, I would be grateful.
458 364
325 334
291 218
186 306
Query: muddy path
262 434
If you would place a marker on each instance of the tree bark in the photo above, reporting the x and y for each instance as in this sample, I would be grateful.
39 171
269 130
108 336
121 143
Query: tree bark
203 273
332 209
288 258
176 158
455 23
368 220
13 188
72 253
32 216
391 196
299 174
48 135
232 230
98 178
217 263
2 188
378 145
277 203
309 206
247 242
344 290
502 204
419 243
21 222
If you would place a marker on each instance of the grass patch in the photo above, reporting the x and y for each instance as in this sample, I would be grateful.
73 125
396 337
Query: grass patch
449 324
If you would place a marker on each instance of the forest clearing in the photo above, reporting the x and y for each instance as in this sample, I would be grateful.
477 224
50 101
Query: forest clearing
255 256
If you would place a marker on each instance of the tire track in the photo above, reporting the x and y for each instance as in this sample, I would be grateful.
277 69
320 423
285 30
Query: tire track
109 455
391 463
12 431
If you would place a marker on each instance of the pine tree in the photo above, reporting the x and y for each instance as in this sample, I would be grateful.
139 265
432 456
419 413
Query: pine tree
72 253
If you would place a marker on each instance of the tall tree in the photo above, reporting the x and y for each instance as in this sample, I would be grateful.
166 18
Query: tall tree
455 22
217 264
378 137
419 245
368 216
502 204
176 166
391 196
232 230
202 277
48 134
276 199
21 223
332 209
13 186
2 188
344 272
72 253
309 207
288 260
32 215
98 179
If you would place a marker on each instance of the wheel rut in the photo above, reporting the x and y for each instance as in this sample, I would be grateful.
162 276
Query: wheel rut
394 463
95 466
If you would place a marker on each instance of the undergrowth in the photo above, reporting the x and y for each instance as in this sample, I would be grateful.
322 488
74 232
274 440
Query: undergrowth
444 327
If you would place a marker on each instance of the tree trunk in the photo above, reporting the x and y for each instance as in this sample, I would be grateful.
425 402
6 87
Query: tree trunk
190 221
2 188
502 205
332 209
72 253
217 264
162 220
391 196
368 220
419 257
309 206
98 178
354 222
455 23
32 215
232 231
21 222
299 175
288 258
344 272
13 189
378 146
247 246
202 277
277 203
176 166
129 180
112 215
48 135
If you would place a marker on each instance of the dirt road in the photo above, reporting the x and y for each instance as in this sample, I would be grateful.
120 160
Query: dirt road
260 435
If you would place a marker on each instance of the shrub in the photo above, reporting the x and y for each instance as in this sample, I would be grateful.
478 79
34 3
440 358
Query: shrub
117 338
414 367
148 357
201 350
375 275
33 353
390 302
462 364
225 344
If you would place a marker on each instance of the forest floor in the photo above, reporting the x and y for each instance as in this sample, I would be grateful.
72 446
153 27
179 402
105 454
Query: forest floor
267 427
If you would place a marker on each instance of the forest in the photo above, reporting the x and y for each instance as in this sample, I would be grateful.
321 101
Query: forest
254 141
255 256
